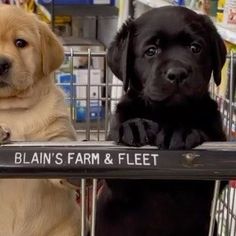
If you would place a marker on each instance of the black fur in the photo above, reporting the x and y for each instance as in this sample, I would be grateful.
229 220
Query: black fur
165 59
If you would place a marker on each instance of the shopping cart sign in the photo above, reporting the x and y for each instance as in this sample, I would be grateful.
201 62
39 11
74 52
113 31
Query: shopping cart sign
80 159
107 160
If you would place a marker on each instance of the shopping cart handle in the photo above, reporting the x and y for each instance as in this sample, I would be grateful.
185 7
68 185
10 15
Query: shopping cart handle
216 160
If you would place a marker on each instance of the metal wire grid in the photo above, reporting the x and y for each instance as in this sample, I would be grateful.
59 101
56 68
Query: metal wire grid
227 104
223 206
88 129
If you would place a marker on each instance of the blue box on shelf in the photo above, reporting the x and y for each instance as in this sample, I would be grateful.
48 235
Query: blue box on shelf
64 81
96 111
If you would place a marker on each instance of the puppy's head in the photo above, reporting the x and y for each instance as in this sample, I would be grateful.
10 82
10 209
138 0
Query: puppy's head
168 53
29 51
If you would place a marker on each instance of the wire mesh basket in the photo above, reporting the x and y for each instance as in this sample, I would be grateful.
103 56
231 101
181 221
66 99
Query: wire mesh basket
100 98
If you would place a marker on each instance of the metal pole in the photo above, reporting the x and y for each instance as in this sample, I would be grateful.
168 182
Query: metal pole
231 95
213 208
83 214
93 219
72 100
106 100
88 97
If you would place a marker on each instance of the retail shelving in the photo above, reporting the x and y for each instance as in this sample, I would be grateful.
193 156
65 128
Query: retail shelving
228 34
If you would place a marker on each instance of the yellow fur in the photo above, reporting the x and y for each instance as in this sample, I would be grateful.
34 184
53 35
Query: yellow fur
33 108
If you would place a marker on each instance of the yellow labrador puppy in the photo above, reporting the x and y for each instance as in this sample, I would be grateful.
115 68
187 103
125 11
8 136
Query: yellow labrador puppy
33 109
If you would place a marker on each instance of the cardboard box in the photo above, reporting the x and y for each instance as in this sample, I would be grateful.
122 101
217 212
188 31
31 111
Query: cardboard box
94 107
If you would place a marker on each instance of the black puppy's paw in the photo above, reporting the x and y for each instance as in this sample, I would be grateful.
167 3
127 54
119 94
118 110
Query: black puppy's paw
186 139
137 132
160 139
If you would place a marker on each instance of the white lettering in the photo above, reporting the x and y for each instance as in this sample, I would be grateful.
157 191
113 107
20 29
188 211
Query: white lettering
154 159
137 159
46 158
83 158
79 159
87 158
35 158
18 157
58 158
146 159
121 157
42 158
95 158
70 157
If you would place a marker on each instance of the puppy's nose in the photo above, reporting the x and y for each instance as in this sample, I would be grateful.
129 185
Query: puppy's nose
177 74
5 65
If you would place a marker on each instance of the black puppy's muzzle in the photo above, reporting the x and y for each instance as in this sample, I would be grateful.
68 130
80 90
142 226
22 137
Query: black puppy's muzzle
176 75
171 79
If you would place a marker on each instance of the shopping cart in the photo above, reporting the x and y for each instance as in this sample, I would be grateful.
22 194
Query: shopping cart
223 207
91 104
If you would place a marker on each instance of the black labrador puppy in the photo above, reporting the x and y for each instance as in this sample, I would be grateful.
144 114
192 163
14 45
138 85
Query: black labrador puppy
165 59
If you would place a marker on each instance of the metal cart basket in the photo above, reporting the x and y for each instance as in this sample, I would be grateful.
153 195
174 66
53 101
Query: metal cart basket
90 102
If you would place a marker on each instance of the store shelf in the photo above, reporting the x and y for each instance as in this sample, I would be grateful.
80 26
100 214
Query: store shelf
228 34
83 10
72 41
154 3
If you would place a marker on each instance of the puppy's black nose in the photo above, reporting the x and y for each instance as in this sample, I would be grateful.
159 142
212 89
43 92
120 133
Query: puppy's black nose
5 65
177 74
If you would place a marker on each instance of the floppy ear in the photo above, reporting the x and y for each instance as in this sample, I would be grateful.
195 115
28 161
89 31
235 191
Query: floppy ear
218 50
118 53
51 49
219 57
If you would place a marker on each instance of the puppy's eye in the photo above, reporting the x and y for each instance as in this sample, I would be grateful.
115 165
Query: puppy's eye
195 47
152 51
21 43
